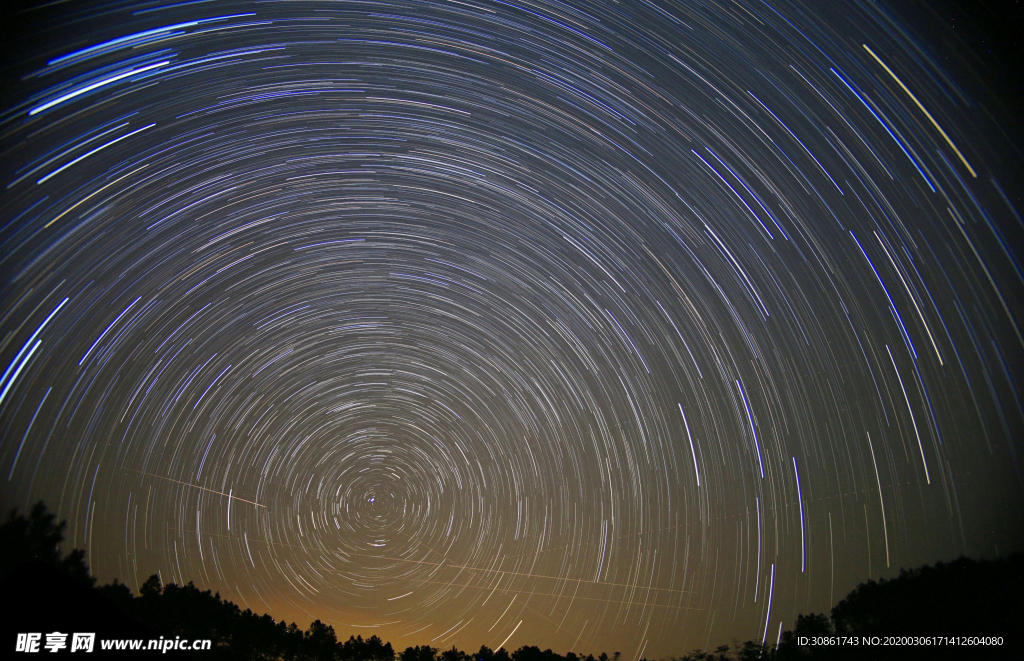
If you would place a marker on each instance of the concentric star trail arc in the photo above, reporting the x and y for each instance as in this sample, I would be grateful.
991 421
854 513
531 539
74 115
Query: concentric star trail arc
596 326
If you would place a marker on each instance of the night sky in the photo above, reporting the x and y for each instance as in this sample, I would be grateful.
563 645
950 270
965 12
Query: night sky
634 326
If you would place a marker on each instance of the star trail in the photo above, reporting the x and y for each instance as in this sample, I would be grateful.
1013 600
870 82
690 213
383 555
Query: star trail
597 326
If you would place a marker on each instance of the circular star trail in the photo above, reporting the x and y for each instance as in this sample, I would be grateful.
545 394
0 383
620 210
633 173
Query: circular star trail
629 326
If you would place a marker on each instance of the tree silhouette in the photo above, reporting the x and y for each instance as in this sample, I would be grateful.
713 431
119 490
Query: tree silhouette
455 655
37 538
965 597
962 598
320 640
418 653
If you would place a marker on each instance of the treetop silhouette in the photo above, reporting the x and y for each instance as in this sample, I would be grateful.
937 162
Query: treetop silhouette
962 598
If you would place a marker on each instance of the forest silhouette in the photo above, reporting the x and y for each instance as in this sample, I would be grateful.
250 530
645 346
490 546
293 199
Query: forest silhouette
965 598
